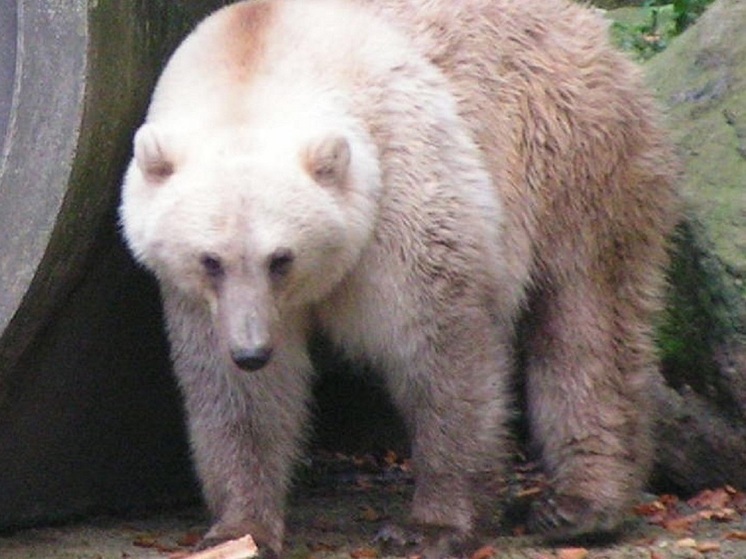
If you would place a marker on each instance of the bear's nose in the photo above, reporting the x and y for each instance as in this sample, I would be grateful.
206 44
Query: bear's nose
252 359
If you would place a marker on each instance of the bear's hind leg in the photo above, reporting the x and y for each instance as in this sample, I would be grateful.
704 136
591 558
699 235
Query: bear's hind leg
588 367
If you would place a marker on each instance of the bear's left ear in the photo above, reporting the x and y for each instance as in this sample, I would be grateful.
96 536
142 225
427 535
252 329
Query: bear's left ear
327 160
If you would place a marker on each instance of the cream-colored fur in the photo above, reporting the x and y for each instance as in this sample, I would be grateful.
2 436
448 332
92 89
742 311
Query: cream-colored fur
414 178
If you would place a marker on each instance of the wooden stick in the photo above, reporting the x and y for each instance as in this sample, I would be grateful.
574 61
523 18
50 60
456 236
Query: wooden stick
241 548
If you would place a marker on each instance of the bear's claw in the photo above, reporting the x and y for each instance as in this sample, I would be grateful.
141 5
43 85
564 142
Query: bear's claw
427 542
566 518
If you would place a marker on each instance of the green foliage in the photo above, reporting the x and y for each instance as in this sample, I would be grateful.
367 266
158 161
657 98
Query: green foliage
656 24
686 12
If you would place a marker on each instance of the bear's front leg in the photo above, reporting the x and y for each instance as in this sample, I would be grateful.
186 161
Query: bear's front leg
246 430
454 397
589 362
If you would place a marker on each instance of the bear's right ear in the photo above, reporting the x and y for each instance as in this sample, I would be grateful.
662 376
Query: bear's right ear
327 160
150 155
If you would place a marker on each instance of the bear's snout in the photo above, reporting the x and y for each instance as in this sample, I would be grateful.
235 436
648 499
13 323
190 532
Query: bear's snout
251 359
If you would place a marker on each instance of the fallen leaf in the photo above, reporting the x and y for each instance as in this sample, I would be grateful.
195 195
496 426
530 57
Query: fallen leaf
680 524
706 547
572 553
369 514
190 539
736 535
364 553
363 483
322 547
722 515
738 501
151 542
710 498
687 542
391 458
530 492
669 500
485 552
520 530
145 541
649 509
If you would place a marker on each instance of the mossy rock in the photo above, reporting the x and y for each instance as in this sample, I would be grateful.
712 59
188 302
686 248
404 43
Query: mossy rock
701 401
701 79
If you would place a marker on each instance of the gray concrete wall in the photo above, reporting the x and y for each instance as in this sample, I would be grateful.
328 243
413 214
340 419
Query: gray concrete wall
8 37
89 416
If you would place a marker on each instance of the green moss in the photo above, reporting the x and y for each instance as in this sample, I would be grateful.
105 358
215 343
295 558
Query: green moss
701 78
648 28
702 312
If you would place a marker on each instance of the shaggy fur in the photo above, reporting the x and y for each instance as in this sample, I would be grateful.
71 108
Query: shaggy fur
412 177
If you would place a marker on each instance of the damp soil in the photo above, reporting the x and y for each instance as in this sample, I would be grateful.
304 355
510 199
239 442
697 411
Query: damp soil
342 503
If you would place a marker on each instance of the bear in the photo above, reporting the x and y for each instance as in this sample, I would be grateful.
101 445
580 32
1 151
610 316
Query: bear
425 183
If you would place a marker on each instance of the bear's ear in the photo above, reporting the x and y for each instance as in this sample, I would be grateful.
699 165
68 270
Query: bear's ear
327 160
150 155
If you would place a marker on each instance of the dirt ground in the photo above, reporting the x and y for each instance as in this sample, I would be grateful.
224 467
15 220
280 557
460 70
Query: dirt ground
337 511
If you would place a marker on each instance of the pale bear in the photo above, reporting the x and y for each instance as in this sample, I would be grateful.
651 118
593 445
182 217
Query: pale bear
413 179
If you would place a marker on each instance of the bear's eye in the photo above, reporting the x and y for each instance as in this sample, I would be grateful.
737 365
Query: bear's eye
280 262
212 265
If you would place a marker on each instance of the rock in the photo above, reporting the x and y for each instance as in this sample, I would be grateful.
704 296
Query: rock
701 78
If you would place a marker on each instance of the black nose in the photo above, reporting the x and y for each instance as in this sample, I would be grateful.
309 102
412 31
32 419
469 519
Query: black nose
252 359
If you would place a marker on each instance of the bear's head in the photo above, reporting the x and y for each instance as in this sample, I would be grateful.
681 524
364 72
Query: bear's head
250 225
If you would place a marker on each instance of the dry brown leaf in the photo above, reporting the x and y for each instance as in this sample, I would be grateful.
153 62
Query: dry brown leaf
364 553
190 539
649 509
710 499
529 492
369 514
687 542
680 524
738 501
145 541
322 547
722 515
363 483
572 553
669 500
485 552
736 535
520 530
707 547
391 458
